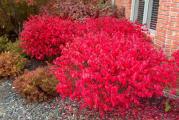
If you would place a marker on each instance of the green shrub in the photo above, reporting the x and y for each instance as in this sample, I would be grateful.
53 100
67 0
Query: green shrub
3 43
37 85
13 47
9 46
13 13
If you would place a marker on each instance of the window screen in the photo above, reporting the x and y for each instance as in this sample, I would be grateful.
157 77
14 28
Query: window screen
154 16
140 11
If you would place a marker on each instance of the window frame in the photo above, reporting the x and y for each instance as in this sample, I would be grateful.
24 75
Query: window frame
147 13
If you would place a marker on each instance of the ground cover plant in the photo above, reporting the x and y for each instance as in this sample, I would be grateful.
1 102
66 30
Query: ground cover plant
37 85
112 67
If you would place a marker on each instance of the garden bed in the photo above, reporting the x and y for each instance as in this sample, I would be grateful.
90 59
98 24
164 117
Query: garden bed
104 68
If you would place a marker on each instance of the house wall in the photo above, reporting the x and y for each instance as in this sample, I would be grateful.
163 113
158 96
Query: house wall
126 4
167 35
167 31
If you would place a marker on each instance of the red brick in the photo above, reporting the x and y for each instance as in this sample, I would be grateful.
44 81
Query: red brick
167 32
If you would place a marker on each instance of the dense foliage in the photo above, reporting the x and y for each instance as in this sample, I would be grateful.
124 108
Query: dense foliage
80 9
8 45
176 58
43 36
32 2
110 25
113 66
3 43
14 47
11 64
37 85
13 13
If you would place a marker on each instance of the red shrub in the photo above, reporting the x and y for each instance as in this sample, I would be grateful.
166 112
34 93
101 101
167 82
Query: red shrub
112 68
176 58
110 25
43 36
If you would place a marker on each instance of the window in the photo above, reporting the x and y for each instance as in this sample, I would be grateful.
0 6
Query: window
154 16
140 11
145 12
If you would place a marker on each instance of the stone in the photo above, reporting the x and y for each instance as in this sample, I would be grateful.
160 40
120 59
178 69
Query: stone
2 112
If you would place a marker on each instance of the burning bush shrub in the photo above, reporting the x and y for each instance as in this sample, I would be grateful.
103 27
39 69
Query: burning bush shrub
112 69
43 36
176 58
11 64
110 25
37 85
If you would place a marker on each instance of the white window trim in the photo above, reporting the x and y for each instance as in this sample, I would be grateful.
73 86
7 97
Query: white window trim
134 10
146 10
147 13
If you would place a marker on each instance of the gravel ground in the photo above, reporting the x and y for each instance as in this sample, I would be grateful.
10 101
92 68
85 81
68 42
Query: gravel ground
14 107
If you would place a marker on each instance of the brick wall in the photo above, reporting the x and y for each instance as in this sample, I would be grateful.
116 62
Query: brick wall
126 4
167 32
167 36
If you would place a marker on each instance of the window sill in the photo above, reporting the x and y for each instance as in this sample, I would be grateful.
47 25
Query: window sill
152 32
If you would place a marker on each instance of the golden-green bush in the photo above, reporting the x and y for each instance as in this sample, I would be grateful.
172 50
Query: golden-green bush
11 64
3 43
37 85
7 45
14 47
